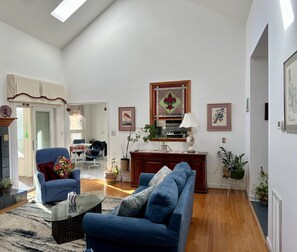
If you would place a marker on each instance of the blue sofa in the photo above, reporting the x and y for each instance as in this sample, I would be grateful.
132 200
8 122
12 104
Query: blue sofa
57 189
149 232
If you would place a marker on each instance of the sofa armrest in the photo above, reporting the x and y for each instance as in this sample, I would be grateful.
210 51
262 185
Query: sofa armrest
145 178
138 231
75 174
40 177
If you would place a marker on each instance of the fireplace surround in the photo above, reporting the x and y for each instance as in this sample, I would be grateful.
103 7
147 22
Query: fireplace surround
16 195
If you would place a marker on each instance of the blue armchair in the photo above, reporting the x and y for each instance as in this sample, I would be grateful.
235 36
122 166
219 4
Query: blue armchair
56 189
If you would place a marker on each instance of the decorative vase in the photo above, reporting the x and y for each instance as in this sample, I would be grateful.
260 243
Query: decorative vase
110 177
125 164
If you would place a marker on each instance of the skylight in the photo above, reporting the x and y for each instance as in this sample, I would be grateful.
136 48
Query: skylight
66 8
287 13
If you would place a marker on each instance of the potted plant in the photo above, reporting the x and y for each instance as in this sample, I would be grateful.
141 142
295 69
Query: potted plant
5 186
132 137
151 132
233 164
112 172
226 158
237 171
261 191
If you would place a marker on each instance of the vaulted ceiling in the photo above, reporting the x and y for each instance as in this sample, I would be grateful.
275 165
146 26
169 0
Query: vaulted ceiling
33 16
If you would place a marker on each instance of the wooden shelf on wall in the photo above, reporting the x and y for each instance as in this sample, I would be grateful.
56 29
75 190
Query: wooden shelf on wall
6 121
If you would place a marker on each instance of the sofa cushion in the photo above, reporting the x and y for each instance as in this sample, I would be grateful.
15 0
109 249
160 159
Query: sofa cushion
162 201
160 175
134 204
183 166
47 170
180 178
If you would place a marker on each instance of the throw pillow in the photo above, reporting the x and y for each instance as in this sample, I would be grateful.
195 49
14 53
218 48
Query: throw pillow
47 170
162 201
183 166
63 167
160 175
180 178
134 204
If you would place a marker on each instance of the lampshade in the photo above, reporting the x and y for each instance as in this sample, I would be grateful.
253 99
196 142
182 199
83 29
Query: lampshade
189 121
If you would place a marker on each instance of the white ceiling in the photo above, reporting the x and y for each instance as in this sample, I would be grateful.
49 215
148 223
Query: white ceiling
235 9
33 16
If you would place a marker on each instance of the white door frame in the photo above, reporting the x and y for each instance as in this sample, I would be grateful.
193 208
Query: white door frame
55 112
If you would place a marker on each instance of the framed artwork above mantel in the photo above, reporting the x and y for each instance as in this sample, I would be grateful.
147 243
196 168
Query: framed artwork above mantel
169 101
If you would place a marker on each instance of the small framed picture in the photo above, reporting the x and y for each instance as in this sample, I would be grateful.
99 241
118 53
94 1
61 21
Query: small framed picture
290 88
126 118
219 117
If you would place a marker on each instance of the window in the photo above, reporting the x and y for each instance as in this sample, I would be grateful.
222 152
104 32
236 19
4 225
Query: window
76 127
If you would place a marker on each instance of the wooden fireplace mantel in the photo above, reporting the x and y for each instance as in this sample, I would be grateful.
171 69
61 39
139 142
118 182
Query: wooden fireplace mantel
6 121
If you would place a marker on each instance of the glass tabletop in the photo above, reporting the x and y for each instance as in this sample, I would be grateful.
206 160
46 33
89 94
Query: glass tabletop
84 202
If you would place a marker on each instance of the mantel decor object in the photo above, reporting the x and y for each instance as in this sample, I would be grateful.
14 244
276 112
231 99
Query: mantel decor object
189 121
5 111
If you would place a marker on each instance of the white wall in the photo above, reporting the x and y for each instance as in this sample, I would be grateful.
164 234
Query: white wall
24 55
136 42
282 146
96 122
27 56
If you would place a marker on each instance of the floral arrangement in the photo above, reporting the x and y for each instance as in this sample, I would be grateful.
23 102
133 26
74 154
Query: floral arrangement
63 167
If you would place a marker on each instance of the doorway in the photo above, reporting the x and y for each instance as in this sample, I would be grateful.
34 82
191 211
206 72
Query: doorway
259 117
88 122
34 131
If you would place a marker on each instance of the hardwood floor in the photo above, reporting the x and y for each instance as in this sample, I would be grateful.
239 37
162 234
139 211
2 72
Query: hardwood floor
219 224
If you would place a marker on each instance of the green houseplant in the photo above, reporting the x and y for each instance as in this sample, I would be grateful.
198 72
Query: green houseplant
233 164
5 186
261 191
226 158
237 171
133 137
151 132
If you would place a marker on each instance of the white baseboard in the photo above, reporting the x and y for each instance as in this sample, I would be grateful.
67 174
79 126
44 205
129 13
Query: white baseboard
268 244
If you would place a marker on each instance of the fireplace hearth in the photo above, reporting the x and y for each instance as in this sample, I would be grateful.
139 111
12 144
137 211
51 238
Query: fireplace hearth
16 196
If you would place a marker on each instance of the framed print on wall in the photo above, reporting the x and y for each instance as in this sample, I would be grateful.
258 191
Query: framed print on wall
126 118
169 101
219 117
290 96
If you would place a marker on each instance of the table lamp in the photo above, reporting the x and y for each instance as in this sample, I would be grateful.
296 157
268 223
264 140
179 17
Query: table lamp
189 121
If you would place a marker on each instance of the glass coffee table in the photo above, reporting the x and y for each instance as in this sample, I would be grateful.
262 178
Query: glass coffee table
67 220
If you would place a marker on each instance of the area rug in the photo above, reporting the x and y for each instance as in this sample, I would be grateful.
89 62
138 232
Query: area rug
24 229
